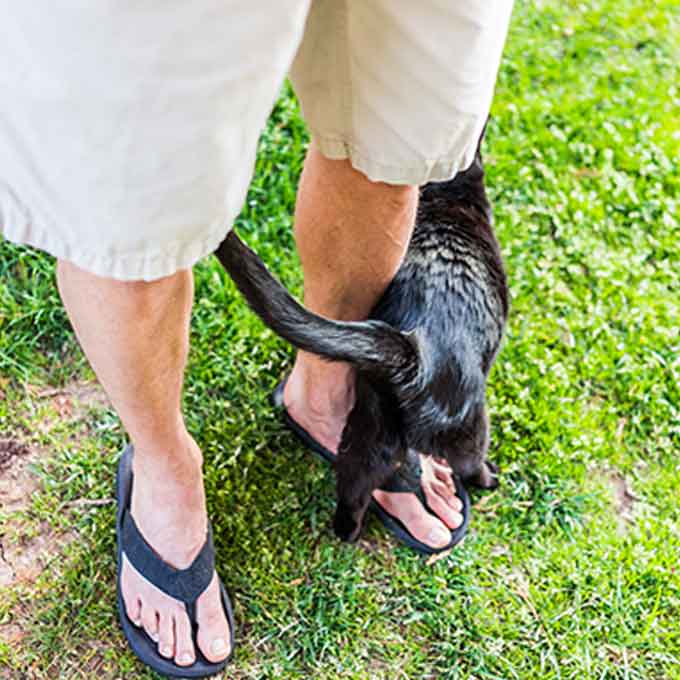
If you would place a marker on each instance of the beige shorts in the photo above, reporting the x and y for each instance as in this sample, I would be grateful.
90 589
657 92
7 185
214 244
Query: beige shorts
128 129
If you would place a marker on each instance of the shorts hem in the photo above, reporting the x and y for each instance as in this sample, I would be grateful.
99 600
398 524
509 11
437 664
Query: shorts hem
428 170
18 227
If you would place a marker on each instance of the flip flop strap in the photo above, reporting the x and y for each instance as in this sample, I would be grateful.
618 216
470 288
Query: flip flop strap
406 477
184 585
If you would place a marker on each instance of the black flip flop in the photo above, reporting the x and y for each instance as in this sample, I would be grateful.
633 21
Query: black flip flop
184 585
406 479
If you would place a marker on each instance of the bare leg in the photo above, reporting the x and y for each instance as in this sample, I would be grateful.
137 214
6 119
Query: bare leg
352 235
136 338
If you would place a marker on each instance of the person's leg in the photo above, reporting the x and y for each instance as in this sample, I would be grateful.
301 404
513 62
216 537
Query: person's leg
136 337
352 235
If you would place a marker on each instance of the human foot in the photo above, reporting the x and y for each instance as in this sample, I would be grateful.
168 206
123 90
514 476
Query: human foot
168 506
319 397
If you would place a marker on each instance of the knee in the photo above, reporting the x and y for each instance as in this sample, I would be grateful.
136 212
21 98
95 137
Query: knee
399 195
144 296
390 203
352 185
158 298
397 198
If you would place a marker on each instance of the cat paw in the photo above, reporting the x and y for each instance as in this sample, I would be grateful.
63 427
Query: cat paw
345 527
487 477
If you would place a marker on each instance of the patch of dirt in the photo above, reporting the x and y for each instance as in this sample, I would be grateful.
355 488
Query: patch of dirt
625 504
9 450
24 550
28 546
624 499
11 633
73 401
620 656
23 559
17 481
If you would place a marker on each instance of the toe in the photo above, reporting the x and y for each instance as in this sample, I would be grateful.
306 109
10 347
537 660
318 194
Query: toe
439 536
421 524
184 647
446 494
437 480
443 473
166 636
150 621
131 594
213 629
442 470
450 517
133 609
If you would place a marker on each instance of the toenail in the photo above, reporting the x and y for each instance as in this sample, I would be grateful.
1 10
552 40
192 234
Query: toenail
166 651
186 658
218 646
154 636
438 536
137 622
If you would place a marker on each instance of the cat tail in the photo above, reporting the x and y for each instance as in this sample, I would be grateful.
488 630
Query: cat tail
373 346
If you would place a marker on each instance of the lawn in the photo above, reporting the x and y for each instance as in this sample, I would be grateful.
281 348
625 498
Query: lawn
570 568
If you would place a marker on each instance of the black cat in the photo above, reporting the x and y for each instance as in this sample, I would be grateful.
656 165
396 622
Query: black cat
423 356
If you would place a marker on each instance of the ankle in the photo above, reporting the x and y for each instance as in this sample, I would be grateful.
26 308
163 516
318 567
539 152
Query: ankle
168 490
178 457
320 388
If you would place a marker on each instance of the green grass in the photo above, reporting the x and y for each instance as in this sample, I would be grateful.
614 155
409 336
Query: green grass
582 159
